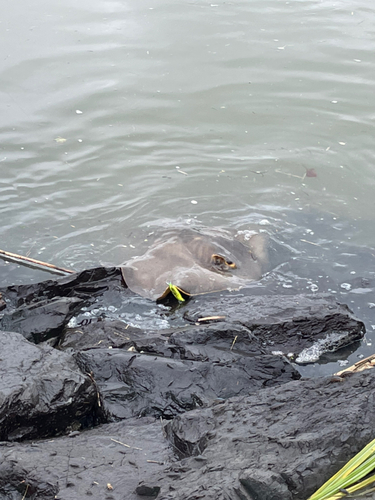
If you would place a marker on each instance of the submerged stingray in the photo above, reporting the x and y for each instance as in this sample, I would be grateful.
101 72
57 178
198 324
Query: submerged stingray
197 261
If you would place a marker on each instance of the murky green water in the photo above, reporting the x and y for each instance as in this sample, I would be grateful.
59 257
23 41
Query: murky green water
119 114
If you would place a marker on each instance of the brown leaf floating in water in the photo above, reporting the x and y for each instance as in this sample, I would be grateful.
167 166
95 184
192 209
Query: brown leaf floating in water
310 172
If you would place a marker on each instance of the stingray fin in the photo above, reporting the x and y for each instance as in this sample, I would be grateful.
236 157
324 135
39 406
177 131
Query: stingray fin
123 277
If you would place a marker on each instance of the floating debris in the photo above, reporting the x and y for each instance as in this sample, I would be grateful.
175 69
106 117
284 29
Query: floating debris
60 140
346 286
210 318
176 292
310 172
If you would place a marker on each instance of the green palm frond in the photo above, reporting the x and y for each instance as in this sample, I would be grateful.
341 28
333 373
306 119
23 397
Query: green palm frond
348 479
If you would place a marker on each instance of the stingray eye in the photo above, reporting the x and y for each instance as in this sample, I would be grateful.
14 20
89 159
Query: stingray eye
220 262
217 260
231 264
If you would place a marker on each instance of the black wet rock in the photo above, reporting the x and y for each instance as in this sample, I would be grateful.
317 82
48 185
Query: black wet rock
216 341
42 391
145 490
81 467
2 303
106 333
279 443
84 285
43 320
275 437
133 384
41 311
17 482
303 325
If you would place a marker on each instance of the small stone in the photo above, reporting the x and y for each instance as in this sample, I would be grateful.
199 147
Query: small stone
146 490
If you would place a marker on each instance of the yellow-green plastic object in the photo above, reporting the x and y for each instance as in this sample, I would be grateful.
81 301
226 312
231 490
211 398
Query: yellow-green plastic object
176 292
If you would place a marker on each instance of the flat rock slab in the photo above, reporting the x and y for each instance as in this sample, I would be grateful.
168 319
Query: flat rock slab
211 342
105 333
281 443
301 326
217 341
42 391
134 385
107 463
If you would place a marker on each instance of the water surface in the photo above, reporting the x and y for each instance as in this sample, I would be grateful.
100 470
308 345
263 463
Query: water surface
118 115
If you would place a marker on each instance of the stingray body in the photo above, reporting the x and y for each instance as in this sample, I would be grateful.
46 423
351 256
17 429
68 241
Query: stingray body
197 261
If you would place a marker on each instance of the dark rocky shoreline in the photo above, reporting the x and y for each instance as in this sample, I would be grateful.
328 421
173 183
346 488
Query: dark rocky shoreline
95 406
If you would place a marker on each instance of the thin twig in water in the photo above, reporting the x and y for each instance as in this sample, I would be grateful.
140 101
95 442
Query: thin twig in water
29 250
291 175
311 243
17 257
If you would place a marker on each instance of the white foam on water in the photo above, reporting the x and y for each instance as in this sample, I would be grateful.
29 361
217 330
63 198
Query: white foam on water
313 353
